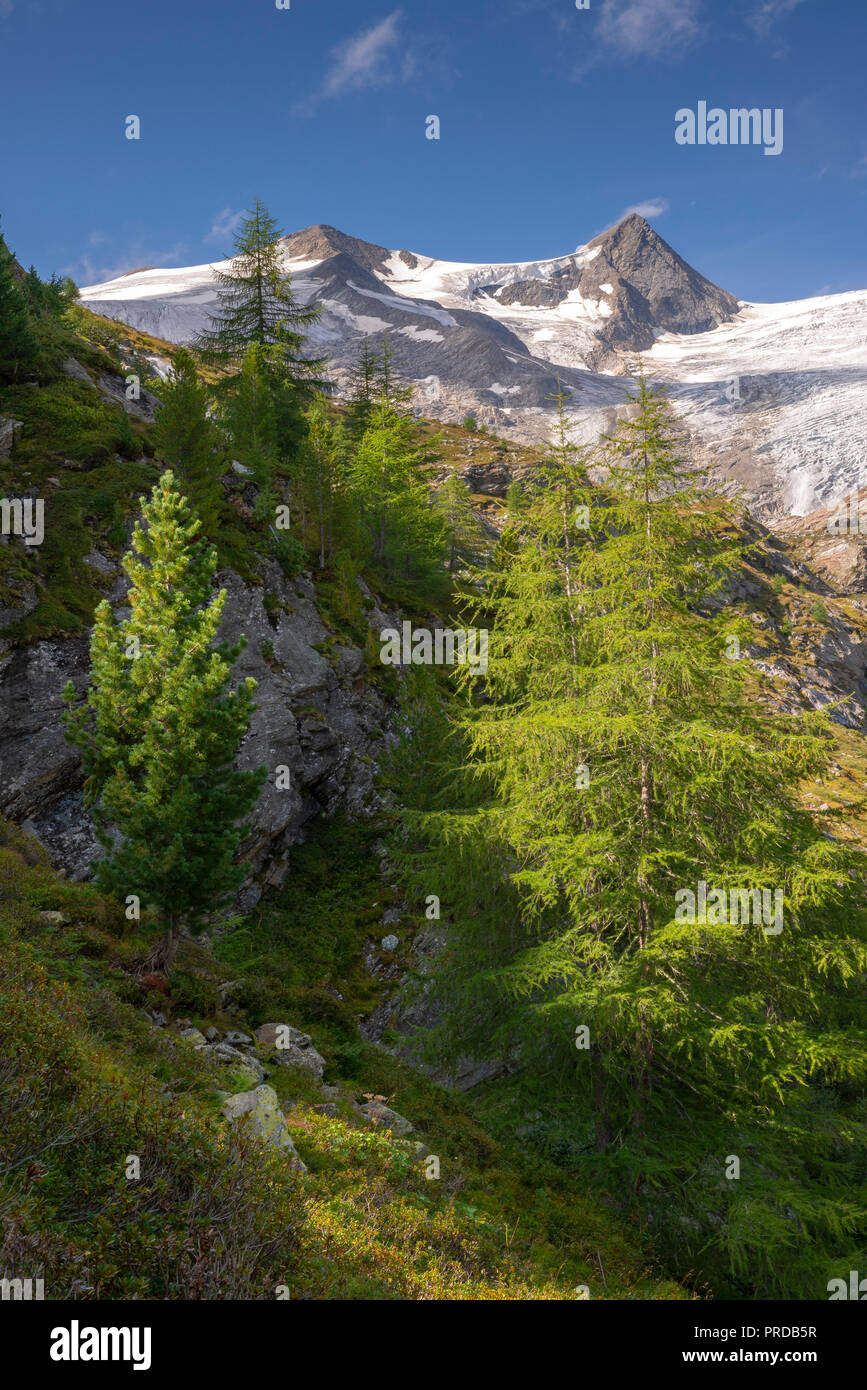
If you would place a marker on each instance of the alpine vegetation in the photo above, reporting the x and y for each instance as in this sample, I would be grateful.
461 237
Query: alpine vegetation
160 728
711 1030
451 882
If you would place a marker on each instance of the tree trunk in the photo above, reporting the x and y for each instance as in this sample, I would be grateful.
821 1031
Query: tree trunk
162 957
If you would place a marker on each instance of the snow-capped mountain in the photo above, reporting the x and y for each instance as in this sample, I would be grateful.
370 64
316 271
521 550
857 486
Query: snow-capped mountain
774 394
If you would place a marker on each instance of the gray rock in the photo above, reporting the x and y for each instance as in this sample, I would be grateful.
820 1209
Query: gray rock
385 1118
193 1036
271 1036
290 1048
389 943
332 758
306 1057
54 919
74 369
8 431
259 1110
249 1067
113 391
99 562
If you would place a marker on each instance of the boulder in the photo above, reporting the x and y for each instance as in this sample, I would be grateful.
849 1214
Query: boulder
54 919
249 1067
8 429
259 1110
385 1118
290 1047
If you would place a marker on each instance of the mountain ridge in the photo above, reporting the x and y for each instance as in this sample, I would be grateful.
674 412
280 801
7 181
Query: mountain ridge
770 394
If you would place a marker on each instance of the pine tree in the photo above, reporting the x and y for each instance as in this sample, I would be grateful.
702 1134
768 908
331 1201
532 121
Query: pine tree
362 389
19 345
389 392
160 729
188 444
256 304
619 760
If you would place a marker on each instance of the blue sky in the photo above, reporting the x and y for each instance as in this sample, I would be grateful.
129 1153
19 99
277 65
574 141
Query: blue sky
553 122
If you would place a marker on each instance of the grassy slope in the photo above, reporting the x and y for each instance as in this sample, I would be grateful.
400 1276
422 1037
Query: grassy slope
85 1074
86 1082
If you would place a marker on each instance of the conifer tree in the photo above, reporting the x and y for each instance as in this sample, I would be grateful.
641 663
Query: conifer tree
249 414
256 304
389 392
620 760
187 442
362 389
467 541
406 533
324 478
19 345
160 729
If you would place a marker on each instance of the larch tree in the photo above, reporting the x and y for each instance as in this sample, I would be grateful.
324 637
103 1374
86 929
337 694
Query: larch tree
646 923
188 444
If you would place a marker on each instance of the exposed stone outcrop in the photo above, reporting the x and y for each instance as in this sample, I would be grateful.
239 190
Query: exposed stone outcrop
316 718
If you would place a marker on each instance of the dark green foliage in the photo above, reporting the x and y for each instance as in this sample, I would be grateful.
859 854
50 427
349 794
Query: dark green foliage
187 443
249 415
19 344
467 541
160 728
257 305
362 389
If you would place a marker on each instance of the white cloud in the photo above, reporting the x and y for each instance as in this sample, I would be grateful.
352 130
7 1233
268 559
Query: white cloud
86 271
649 28
6 8
225 224
651 207
370 59
767 12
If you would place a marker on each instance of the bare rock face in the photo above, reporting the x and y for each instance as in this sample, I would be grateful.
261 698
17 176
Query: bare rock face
8 430
646 287
834 541
318 728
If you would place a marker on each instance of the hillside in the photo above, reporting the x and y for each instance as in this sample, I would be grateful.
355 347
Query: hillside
104 1057
108 1056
